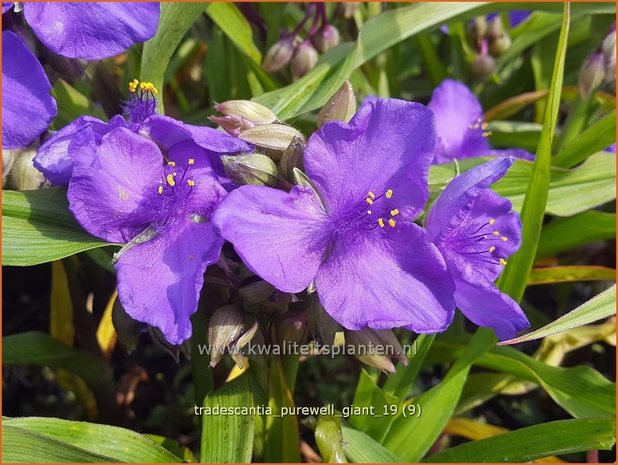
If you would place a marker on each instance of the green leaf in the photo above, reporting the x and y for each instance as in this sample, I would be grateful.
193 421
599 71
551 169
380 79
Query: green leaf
567 274
109 442
37 227
329 439
567 233
360 448
72 104
600 135
535 442
39 349
175 21
600 306
514 276
231 21
228 438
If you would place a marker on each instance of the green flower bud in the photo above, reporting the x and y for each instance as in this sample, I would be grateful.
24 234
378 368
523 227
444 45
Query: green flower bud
305 58
224 329
349 9
174 351
23 176
499 45
279 55
275 137
290 327
8 157
608 47
293 157
256 169
326 38
495 29
322 323
340 107
246 110
236 353
591 75
376 348
484 66
266 295
127 328
478 28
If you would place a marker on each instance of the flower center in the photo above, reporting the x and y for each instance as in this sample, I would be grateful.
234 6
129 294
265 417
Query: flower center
142 101
176 188
487 241
480 124
374 211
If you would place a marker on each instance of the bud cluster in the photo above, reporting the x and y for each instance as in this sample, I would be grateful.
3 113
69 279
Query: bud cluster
301 53
491 41
599 67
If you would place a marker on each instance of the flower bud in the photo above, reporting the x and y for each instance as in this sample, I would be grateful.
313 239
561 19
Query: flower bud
478 28
271 136
256 169
127 328
293 157
499 45
23 175
326 38
322 324
291 327
484 66
495 29
267 295
305 58
8 157
246 110
279 55
236 353
608 48
340 107
349 8
224 329
173 350
370 349
592 74
231 125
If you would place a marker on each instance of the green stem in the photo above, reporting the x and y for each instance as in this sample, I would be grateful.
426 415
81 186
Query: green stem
202 374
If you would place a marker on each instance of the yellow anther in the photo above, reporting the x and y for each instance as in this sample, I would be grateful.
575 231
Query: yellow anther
484 126
504 238
491 249
381 222
487 133
171 163
170 180
391 223
369 201
191 182
371 195
389 193
369 212
502 261
394 212
133 85
191 161
160 190
492 221
496 233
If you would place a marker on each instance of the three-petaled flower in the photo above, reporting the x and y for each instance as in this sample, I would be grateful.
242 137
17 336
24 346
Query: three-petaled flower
354 237
476 231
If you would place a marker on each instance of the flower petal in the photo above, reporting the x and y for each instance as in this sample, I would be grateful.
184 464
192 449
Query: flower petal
92 30
458 113
159 281
55 157
400 280
6 6
483 304
281 236
113 190
388 144
461 191
27 107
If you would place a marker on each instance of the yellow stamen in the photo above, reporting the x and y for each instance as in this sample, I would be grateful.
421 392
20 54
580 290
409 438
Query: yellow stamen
496 233
160 190
394 212
491 249
504 238
389 193
170 180
391 223
492 221
381 222
191 182
487 133
371 195
191 161
484 126
502 261
369 201
133 85
171 163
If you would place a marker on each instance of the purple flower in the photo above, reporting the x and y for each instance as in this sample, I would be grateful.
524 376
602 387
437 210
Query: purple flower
476 231
462 130
90 30
55 157
27 107
353 237
124 188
